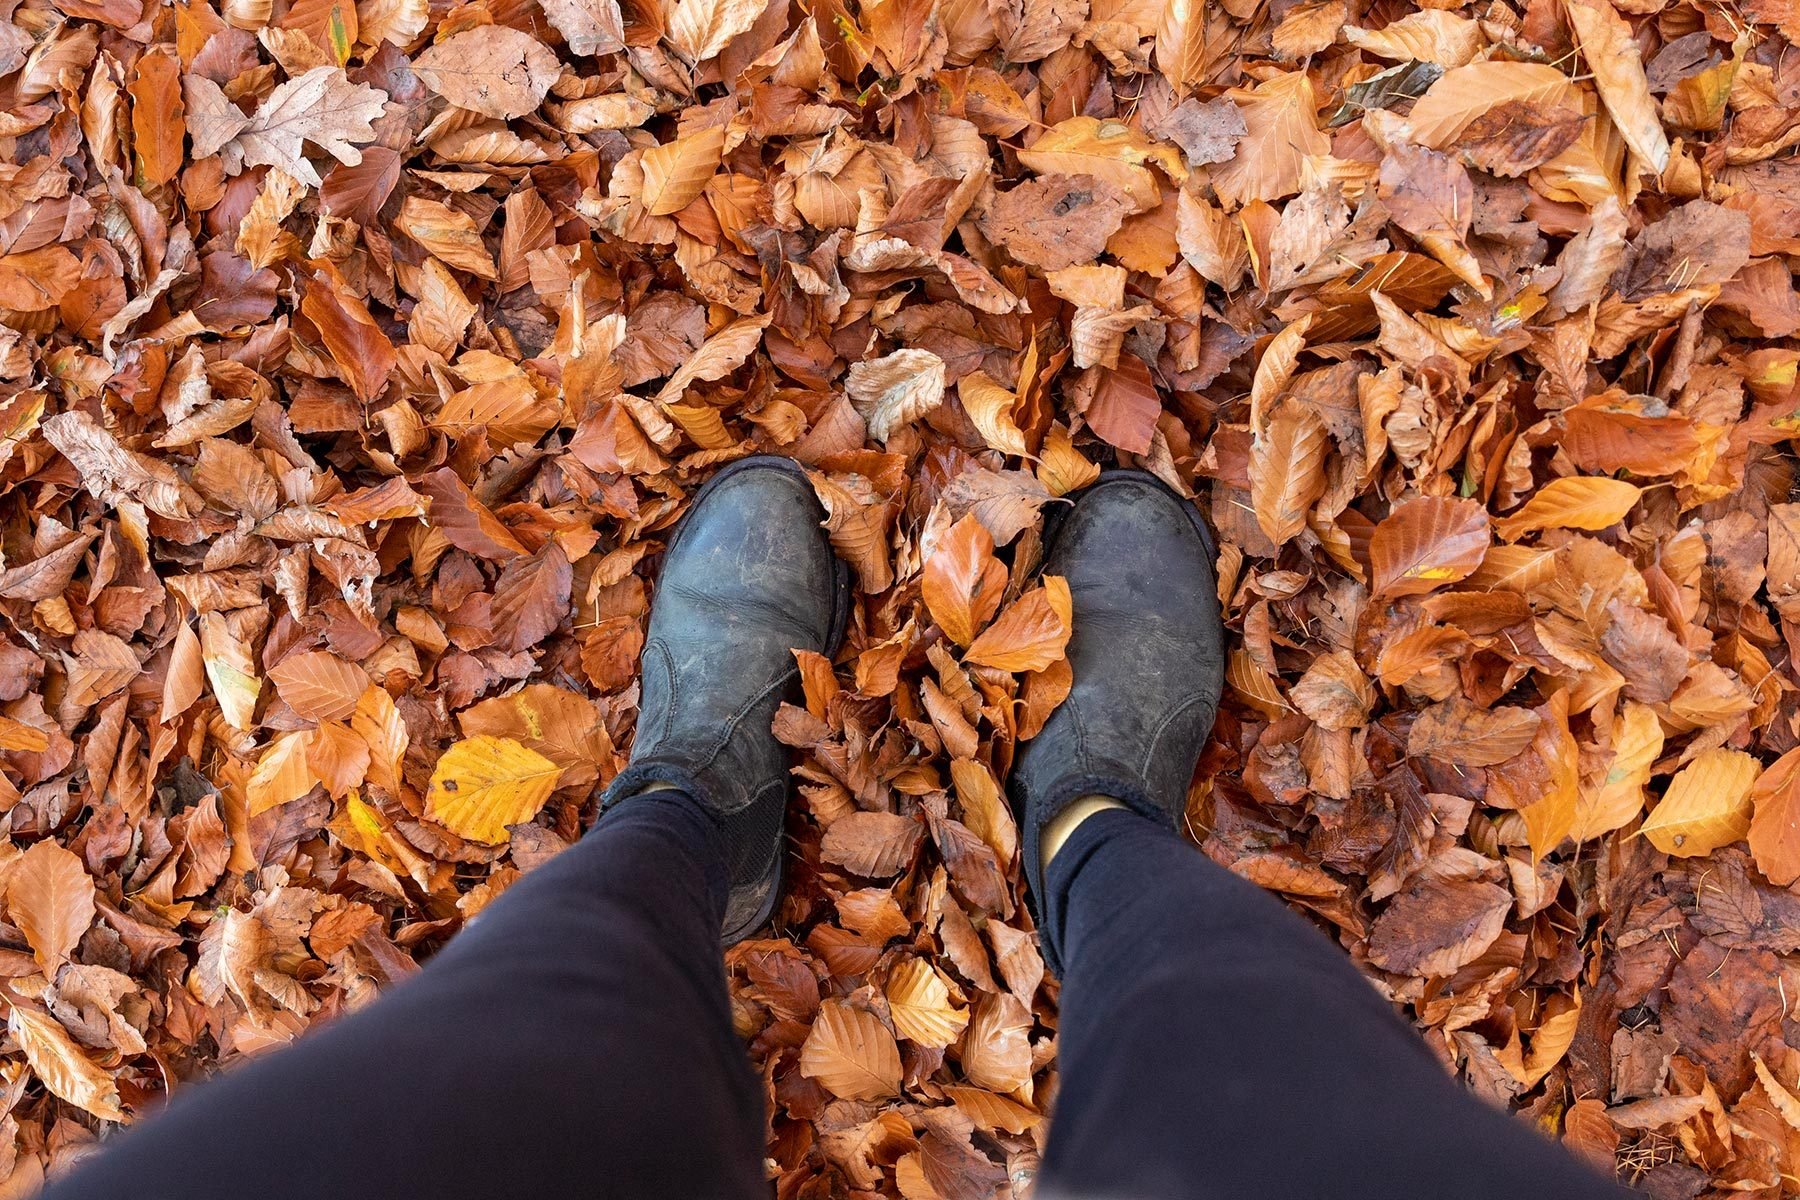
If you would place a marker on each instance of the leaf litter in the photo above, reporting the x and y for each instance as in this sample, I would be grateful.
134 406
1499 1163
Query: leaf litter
359 358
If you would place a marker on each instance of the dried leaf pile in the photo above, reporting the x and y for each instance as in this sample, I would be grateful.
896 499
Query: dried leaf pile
357 359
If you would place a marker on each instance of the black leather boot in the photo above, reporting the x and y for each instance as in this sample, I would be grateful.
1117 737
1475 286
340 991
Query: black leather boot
1148 657
749 576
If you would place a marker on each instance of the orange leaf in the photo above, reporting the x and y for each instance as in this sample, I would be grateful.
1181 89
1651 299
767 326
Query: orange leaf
319 685
1426 543
1775 822
963 582
851 1053
1573 502
50 897
1287 469
1031 634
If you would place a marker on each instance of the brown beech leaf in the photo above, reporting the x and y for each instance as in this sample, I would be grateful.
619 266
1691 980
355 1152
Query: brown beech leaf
1438 925
872 844
1426 543
995 1051
319 685
963 582
363 354
1456 731
50 897
700 29
1287 470
493 70
1515 137
1282 123
676 172
1334 692
851 1053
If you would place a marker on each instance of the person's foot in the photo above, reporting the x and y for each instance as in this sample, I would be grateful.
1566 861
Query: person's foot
1148 658
749 577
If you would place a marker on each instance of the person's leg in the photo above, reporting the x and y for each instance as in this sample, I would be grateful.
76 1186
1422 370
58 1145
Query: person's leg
575 1040
1213 1044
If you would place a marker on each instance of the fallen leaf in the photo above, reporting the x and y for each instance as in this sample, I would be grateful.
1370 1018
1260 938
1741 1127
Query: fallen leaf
483 784
1707 805
851 1053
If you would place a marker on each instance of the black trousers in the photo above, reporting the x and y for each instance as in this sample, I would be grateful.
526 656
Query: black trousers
576 1041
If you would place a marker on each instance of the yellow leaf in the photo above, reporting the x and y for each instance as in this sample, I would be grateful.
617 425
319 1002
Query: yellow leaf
484 784
990 406
1573 502
1549 819
1707 805
919 1003
1061 467
231 671
1613 800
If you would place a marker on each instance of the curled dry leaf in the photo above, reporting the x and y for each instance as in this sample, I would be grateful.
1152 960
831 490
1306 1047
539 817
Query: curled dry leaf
54 1057
1438 925
890 392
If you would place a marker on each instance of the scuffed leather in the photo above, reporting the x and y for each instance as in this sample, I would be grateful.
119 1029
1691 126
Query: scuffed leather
748 578
1148 658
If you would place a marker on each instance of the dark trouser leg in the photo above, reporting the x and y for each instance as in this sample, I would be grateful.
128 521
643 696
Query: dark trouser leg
1214 1045
575 1041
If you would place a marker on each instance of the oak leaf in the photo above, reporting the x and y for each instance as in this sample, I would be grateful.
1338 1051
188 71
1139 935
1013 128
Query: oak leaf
321 107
